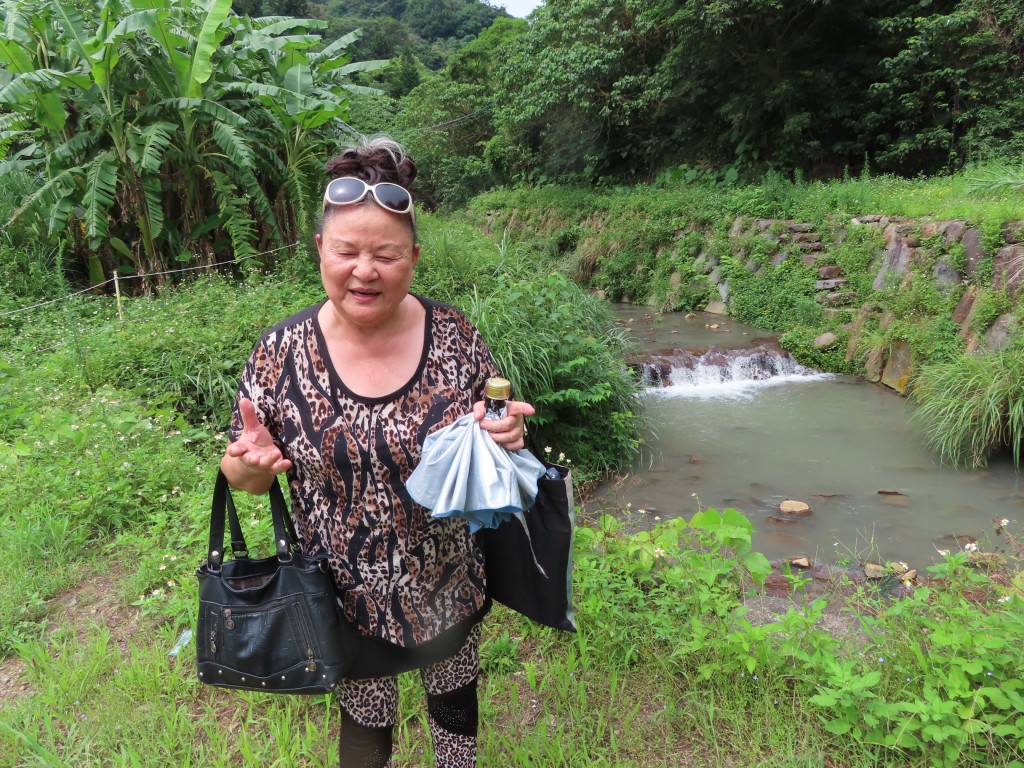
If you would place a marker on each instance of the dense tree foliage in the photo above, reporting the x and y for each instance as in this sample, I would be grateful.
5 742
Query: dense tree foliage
627 88
619 90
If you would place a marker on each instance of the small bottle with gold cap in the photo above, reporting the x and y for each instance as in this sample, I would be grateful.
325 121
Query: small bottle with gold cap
496 393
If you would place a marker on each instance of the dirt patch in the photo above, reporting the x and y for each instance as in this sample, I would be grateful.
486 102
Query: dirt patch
96 600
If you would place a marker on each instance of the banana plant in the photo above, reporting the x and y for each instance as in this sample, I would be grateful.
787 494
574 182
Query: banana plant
166 131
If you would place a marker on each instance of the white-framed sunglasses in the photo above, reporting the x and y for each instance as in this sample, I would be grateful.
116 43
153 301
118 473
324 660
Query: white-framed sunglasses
349 190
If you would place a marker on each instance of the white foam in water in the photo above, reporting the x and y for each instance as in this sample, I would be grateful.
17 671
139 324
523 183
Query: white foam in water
735 374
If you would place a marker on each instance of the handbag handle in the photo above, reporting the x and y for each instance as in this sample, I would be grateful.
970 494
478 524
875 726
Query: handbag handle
286 540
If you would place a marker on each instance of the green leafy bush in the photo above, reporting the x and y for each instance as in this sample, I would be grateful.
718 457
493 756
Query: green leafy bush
775 299
800 343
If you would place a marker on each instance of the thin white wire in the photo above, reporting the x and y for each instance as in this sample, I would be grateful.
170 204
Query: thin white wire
150 274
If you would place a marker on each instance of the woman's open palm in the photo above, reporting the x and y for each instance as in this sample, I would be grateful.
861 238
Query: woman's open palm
255 447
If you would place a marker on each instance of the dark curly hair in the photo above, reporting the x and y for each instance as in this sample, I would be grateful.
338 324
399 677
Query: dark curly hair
373 160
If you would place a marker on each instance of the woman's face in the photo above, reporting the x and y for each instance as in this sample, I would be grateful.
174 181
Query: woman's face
367 256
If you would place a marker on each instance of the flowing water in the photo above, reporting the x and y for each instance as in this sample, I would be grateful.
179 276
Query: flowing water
737 423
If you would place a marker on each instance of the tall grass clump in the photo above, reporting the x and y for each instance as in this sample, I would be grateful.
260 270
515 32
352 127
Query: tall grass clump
973 405
561 350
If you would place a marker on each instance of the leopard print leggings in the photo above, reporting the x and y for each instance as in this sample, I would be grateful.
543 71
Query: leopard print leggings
369 710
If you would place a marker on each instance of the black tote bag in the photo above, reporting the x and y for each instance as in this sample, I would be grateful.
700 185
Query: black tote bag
511 558
268 624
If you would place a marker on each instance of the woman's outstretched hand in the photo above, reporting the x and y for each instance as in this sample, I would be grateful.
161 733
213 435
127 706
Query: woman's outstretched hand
253 460
509 432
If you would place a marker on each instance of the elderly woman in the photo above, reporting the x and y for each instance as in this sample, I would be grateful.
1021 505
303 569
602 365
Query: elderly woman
340 397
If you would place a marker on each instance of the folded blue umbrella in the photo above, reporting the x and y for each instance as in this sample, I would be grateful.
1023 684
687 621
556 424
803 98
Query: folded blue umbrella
464 473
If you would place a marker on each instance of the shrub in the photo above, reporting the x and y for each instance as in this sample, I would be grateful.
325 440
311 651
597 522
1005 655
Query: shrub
800 343
775 299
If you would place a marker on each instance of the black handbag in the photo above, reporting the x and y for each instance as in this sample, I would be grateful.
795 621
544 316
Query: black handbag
511 558
268 624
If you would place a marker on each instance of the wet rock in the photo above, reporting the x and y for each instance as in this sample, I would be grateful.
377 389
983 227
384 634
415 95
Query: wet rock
957 539
827 496
825 341
716 307
965 308
896 259
896 501
972 250
782 520
689 315
944 275
799 562
793 508
874 570
889 492
714 326
899 367
990 561
953 230
1001 333
873 365
697 459
830 272
1008 268
839 297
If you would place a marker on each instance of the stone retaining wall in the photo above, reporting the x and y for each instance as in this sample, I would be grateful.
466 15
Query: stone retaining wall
902 252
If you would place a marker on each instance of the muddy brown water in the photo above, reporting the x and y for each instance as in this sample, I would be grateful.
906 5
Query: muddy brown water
730 434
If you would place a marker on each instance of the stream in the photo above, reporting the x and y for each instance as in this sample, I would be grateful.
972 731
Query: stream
736 423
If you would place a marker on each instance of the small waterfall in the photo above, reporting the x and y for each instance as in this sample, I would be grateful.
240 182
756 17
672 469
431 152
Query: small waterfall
721 372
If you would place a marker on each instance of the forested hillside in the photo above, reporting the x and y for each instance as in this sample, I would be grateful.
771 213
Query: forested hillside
618 91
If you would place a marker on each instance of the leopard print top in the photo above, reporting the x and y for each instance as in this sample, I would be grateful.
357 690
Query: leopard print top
402 576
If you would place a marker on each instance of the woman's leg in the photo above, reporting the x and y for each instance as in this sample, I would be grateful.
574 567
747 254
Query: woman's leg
369 710
452 704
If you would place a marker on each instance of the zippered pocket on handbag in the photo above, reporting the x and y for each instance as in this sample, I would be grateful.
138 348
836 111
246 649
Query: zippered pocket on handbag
263 640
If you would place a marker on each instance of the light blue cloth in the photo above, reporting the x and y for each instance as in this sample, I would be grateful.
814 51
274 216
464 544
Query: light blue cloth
464 473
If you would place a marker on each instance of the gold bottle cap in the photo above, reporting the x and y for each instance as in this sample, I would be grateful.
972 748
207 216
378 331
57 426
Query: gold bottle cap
498 388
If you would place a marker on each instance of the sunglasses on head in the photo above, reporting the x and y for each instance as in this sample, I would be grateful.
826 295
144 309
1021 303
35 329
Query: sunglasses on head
348 190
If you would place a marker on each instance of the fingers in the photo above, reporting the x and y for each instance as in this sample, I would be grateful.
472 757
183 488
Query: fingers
509 432
255 448
517 407
250 419
259 458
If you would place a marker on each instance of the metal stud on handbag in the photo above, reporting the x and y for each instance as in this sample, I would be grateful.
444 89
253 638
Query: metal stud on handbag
268 624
